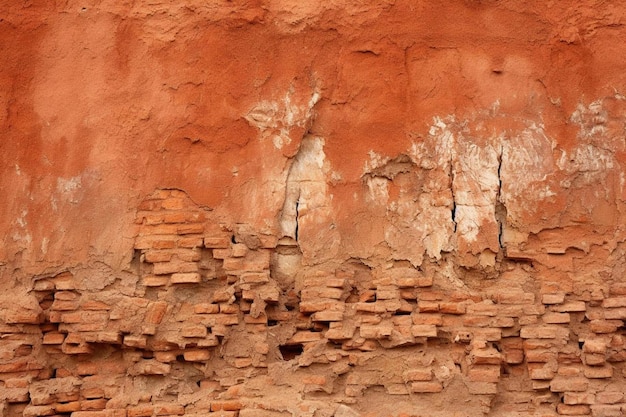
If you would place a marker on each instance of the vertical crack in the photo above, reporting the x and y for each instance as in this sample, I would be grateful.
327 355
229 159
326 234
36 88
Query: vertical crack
500 209
297 215
453 214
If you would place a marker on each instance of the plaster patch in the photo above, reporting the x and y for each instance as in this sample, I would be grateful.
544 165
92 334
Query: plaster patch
275 118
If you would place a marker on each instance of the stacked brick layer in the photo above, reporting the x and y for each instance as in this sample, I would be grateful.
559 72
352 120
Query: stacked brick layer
207 323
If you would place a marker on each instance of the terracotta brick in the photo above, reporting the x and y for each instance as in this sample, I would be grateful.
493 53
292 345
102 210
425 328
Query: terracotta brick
166 268
94 305
605 326
255 277
485 356
138 341
424 330
570 306
482 388
610 397
169 410
231 405
15 395
556 318
53 338
427 319
556 298
150 367
541 372
320 305
598 372
418 374
614 302
321 292
452 308
190 243
193 330
207 308
95 404
166 357
185 278
23 316
515 297
145 410
363 378
606 410
304 337
542 332
539 355
615 313
327 316
197 355
574 398
242 362
100 413
314 379
428 306
485 308
573 410
484 373
156 312
397 389
426 387
325 281
92 393
563 384
216 242
38 410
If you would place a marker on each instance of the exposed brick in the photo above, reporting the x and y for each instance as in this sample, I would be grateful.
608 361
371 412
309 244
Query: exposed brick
185 278
424 330
615 313
597 372
542 332
197 355
570 306
573 410
574 398
556 298
606 410
563 384
418 374
605 326
484 373
482 388
610 397
426 387
53 338
556 318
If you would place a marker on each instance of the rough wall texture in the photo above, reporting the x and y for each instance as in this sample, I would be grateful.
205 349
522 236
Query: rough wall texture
294 208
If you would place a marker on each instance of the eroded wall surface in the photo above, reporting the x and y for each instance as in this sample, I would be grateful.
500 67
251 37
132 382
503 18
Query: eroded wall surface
285 208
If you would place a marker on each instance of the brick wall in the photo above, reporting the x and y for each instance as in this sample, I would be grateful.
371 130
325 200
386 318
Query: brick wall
208 322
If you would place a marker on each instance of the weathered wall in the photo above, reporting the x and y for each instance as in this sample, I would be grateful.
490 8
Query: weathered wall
287 208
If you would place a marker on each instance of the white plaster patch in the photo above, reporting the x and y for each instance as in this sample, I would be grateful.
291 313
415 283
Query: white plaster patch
586 158
527 161
66 185
378 190
591 119
376 161
275 118
22 219
44 245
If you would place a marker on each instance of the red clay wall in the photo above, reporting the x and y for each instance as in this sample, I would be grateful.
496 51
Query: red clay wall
287 208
